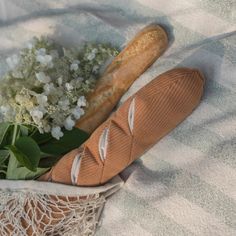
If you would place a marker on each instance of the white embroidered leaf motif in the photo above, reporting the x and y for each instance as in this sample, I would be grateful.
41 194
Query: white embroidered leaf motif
103 144
131 115
75 169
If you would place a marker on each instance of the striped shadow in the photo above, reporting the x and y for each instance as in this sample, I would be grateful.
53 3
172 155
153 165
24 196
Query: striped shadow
210 170
191 187
119 224
206 141
140 211
191 216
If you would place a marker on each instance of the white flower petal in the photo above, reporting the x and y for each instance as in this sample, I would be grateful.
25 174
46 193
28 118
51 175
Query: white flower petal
4 109
78 112
95 50
56 132
60 80
42 77
49 88
69 123
76 62
96 69
42 99
36 115
74 67
64 104
91 56
81 102
41 51
29 45
45 60
69 87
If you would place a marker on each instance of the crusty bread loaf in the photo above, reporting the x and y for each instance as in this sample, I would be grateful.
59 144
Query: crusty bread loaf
137 56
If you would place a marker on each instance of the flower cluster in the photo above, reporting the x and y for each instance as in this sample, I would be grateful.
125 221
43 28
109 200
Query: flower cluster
46 85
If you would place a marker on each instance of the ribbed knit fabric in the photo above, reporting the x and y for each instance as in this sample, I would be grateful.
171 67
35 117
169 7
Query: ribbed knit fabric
158 108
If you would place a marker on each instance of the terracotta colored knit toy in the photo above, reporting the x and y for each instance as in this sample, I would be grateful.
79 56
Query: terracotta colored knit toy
136 126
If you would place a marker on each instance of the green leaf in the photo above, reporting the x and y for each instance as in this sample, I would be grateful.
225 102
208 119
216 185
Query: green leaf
22 173
4 154
45 155
27 152
71 139
30 148
41 138
49 161
21 158
24 130
3 131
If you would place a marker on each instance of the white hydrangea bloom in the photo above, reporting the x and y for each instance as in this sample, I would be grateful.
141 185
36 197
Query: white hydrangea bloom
81 102
41 51
4 109
20 98
7 112
78 112
59 81
69 86
75 65
56 132
69 123
49 88
43 58
96 69
29 45
13 61
42 77
42 99
64 104
58 118
95 50
91 56
50 99
37 115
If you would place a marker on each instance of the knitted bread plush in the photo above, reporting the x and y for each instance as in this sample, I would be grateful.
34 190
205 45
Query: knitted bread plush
139 123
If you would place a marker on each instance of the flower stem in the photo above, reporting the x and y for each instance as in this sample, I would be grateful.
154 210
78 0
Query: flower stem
15 130
13 163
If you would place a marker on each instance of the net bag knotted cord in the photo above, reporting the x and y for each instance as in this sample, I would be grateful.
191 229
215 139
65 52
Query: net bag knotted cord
33 208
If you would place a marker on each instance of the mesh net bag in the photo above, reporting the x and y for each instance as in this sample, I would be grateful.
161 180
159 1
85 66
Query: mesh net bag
34 208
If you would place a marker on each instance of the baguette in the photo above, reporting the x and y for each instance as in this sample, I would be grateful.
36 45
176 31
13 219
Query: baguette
134 59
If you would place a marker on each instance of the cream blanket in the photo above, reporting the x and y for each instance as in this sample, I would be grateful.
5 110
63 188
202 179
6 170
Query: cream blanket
186 184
